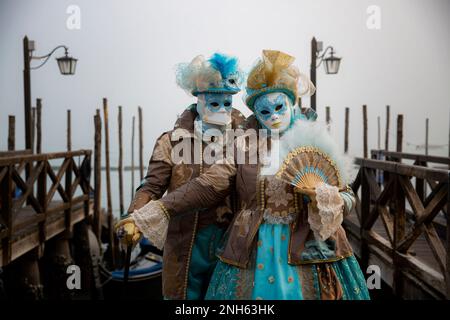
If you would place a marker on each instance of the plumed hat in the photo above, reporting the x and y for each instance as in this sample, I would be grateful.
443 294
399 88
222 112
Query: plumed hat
274 72
219 74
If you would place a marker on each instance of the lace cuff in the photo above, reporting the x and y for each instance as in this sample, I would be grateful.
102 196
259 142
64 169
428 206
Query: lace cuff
153 221
328 216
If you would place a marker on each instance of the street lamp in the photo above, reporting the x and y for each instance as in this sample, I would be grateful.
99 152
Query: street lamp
331 64
66 66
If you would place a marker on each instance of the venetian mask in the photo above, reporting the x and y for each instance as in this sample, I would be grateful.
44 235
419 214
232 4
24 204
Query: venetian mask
215 108
274 111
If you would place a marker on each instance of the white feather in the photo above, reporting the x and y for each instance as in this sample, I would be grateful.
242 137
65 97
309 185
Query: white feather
308 133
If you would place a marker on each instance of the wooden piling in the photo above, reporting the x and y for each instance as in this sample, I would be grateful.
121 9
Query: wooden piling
327 117
108 182
399 133
366 152
132 159
69 131
33 128
347 115
141 146
11 133
38 125
388 119
379 133
427 122
97 174
120 166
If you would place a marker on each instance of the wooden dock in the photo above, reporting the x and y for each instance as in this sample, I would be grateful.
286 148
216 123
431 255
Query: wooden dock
400 222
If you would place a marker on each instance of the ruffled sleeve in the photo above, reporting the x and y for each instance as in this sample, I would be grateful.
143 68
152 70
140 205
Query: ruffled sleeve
328 216
153 221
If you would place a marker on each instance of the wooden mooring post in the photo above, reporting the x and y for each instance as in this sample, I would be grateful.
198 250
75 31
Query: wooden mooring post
365 135
399 133
386 136
11 133
346 131
69 131
97 175
120 165
132 159
327 117
141 146
108 184
38 126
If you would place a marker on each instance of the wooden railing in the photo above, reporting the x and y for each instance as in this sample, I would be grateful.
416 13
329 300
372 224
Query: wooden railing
37 195
419 159
387 235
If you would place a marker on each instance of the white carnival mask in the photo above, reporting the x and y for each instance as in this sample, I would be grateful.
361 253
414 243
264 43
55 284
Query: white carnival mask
215 108
274 111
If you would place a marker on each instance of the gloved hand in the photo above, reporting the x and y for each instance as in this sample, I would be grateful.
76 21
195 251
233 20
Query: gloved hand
128 232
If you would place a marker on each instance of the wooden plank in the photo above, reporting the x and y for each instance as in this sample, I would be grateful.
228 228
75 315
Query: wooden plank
14 153
422 271
388 222
27 243
380 242
27 187
404 169
436 245
414 156
411 195
64 205
18 157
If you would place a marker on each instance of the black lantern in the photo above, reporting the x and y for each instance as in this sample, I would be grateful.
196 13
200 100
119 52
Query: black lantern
331 63
67 65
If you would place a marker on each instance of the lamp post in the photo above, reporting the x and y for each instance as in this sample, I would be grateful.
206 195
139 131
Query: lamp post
66 66
331 64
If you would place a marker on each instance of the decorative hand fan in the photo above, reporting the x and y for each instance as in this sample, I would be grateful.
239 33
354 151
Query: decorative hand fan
307 166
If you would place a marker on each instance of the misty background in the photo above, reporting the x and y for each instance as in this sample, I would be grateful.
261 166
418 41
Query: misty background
127 51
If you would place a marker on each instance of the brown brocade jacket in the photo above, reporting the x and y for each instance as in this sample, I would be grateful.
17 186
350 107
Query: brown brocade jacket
255 194
165 175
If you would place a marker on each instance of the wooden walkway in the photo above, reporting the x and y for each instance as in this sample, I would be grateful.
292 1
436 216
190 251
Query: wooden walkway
37 203
26 235
400 222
